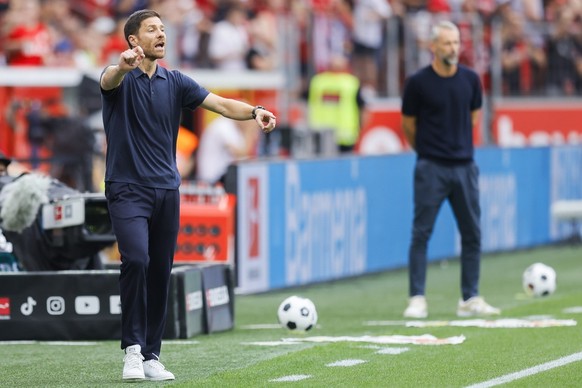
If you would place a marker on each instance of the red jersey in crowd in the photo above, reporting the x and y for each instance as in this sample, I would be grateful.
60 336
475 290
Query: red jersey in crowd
36 44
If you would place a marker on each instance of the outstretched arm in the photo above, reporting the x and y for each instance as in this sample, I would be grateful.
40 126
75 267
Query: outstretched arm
238 110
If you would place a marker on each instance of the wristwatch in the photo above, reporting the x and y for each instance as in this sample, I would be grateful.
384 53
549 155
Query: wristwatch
254 112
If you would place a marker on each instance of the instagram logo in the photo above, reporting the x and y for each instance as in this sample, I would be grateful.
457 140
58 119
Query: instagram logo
55 305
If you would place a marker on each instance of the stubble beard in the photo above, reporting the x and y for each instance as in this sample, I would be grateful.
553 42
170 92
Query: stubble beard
153 55
451 60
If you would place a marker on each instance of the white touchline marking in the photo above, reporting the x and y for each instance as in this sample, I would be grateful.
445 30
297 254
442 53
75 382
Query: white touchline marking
56 343
346 363
67 343
260 326
529 371
539 317
181 342
384 323
271 343
291 378
369 347
23 342
385 350
266 326
425 339
573 310
509 323
392 350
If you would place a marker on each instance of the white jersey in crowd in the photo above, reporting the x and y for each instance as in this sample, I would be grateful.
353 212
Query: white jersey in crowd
230 44
368 18
214 156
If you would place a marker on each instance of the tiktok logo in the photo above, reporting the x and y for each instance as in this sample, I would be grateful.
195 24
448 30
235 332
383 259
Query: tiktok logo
27 307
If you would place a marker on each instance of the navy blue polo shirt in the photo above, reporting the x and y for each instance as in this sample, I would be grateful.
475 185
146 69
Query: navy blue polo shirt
442 107
141 119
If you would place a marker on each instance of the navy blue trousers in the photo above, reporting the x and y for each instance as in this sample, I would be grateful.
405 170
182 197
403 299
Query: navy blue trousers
145 221
433 184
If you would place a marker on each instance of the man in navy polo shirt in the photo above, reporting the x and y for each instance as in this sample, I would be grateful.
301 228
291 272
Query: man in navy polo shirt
440 106
142 103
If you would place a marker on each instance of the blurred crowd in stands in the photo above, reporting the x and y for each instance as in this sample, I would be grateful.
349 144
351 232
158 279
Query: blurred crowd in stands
89 33
519 47
534 45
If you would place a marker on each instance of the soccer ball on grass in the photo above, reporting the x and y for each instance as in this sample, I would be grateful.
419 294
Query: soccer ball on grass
297 313
539 280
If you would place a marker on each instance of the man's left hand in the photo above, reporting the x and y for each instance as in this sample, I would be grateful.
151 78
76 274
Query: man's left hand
266 120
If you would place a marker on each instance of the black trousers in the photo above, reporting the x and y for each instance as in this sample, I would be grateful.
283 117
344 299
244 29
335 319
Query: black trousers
433 184
145 221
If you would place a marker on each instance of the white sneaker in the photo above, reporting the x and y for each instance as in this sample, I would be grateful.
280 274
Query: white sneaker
155 371
476 306
133 364
417 307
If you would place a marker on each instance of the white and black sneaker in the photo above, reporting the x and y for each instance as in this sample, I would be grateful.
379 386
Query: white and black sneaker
133 364
417 308
476 306
156 371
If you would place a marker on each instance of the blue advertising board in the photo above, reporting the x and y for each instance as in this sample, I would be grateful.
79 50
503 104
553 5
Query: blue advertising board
305 221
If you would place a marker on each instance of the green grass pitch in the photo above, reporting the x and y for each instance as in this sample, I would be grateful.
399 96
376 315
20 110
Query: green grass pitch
228 360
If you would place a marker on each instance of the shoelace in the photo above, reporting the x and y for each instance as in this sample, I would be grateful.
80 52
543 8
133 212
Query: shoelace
156 364
133 360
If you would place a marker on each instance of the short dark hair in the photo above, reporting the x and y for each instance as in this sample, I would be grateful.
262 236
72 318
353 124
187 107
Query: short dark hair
4 160
134 22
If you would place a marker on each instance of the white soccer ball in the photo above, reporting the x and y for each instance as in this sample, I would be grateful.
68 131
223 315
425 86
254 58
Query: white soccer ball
539 280
297 313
